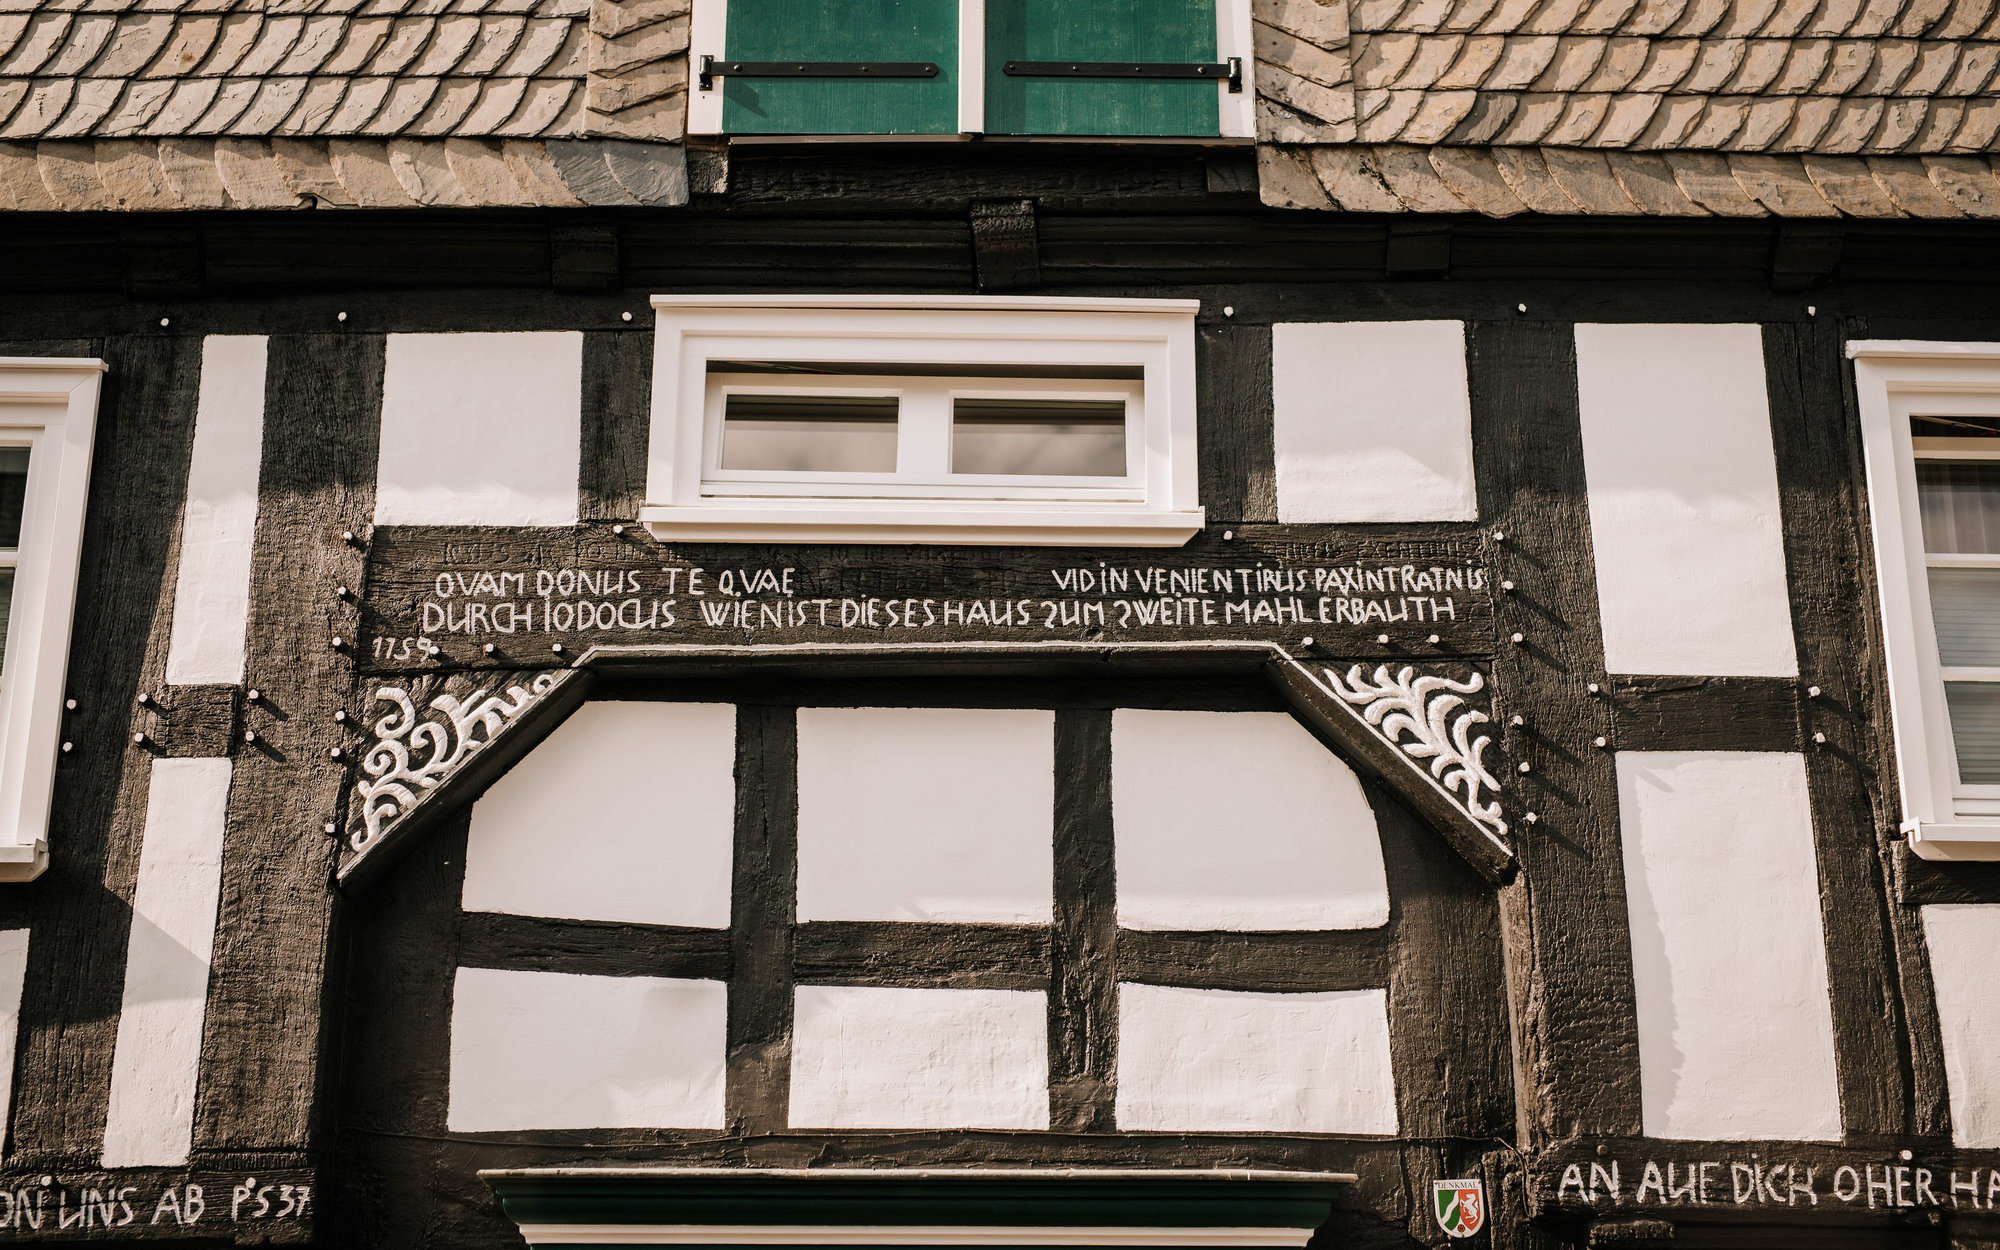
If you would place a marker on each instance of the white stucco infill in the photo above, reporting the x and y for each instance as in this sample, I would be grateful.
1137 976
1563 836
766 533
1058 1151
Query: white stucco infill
1220 1061
876 1057
1728 951
481 429
627 812
219 524
1372 421
1683 487
13 980
1239 820
941 814
157 1057
554 1050
1964 941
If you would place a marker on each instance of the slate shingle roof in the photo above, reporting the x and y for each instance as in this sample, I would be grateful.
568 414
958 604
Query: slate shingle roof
487 68
1868 108
1829 76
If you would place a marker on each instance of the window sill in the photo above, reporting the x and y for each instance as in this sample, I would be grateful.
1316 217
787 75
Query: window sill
24 863
941 526
1962 842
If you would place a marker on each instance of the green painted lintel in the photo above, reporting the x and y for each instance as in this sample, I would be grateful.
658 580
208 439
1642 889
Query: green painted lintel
997 1197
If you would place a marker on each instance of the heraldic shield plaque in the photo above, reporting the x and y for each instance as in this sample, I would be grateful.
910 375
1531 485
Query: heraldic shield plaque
1460 1206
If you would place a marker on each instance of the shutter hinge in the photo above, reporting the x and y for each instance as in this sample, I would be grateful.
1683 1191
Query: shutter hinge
712 69
1230 70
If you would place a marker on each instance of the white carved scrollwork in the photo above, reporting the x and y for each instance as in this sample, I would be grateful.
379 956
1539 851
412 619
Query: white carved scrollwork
1422 717
411 755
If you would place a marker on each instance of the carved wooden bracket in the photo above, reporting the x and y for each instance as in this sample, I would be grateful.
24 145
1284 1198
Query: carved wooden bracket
443 740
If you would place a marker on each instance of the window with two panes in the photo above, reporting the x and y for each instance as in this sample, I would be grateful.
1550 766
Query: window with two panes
1958 495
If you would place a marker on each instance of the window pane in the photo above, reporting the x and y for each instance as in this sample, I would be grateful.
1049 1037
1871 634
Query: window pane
13 492
1965 604
1054 438
810 433
1960 503
1975 729
6 605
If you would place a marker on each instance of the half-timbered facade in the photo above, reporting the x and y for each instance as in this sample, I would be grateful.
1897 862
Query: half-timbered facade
988 623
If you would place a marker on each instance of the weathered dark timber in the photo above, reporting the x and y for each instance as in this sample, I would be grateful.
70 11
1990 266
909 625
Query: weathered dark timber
1233 414
193 721
1921 881
398 960
1703 713
1820 501
1768 1182
259 1206
617 409
80 909
591 947
267 982
1084 940
525 590
763 910
1569 956
1449 1044
1004 250
919 953
1337 959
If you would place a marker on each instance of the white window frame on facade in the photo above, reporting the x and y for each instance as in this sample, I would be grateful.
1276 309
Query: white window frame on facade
708 31
49 406
690 498
1944 818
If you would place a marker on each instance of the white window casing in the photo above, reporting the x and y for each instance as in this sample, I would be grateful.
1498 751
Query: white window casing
49 406
1141 350
1944 818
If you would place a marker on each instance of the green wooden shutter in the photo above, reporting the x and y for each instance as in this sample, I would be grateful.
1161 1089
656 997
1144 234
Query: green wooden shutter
1099 30
842 30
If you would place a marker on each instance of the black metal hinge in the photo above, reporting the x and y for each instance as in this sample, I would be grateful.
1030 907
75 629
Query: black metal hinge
1230 70
712 69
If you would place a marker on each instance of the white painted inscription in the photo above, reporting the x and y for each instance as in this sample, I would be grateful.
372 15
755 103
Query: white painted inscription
1895 1184
32 1207
495 604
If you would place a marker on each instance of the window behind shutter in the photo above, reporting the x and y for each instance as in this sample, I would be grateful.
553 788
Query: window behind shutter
1146 31
818 31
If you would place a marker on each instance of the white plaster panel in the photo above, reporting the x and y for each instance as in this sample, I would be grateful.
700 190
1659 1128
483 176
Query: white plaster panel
1728 953
626 812
481 429
1372 421
1226 1061
212 587
13 979
882 1057
1964 941
926 814
552 1050
1684 500
1239 820
150 1121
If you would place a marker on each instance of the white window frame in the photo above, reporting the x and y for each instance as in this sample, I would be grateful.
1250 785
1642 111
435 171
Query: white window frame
48 405
689 498
1944 818
708 32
